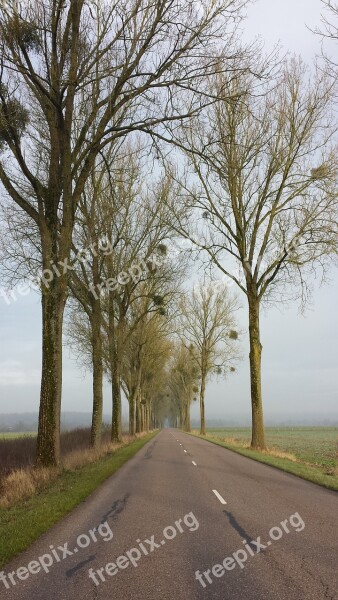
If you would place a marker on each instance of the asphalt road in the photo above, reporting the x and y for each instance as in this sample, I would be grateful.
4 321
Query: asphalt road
183 505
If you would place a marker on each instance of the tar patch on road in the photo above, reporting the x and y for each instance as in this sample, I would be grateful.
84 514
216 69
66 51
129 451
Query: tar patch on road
149 452
71 572
117 508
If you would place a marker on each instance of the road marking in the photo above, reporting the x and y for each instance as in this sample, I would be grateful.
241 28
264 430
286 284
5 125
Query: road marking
180 444
193 462
222 501
185 451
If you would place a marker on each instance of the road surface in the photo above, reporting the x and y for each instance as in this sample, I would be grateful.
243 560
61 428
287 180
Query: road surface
186 519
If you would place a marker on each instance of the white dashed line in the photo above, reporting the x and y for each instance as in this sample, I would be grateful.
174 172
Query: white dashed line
185 451
193 462
222 501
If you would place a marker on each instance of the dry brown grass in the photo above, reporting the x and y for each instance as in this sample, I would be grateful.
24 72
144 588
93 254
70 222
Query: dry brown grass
232 441
79 458
279 454
332 471
23 483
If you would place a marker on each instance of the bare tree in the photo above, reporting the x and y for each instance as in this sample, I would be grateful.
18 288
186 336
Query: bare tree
147 349
207 327
136 272
74 77
120 279
155 355
328 31
183 383
264 194
89 250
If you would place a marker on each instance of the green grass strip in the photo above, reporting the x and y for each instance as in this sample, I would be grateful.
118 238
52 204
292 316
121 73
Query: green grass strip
22 524
308 472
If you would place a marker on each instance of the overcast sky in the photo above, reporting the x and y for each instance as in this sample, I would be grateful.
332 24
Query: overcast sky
299 352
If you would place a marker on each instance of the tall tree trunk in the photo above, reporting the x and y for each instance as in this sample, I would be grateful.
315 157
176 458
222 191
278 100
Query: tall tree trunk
116 435
202 396
258 434
138 412
132 410
96 430
187 426
114 359
181 418
147 417
48 439
142 417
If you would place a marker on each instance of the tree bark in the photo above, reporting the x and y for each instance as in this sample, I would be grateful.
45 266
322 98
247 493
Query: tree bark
181 418
202 396
138 412
147 417
48 439
116 433
96 430
187 426
142 417
258 434
132 411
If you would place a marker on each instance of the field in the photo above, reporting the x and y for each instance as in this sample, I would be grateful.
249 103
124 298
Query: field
315 446
12 435
17 450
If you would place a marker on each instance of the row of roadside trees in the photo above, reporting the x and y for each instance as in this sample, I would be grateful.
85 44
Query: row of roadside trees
92 98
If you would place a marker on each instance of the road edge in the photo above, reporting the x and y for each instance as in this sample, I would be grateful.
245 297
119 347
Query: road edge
310 474
22 524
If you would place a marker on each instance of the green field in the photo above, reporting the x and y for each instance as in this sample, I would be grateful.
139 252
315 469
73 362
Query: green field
311 445
308 452
12 435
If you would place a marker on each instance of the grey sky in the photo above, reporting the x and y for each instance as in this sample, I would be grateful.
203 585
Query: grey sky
299 353
287 22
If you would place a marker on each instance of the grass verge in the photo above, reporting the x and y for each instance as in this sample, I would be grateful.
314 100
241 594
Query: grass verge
293 466
22 524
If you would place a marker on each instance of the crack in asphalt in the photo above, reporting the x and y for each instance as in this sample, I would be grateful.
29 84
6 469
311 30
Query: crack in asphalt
325 586
95 590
